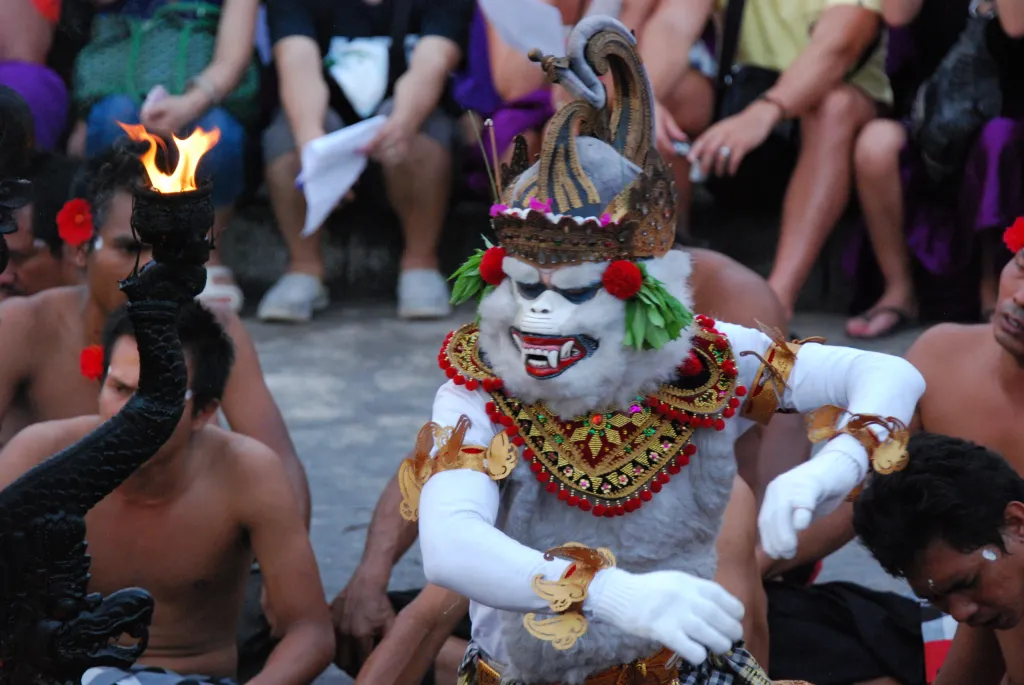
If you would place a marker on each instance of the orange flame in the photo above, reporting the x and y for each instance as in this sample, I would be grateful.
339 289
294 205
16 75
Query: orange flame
190 151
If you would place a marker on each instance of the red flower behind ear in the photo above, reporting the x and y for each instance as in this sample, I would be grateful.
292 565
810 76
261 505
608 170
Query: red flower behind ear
91 362
490 266
74 222
1014 236
622 279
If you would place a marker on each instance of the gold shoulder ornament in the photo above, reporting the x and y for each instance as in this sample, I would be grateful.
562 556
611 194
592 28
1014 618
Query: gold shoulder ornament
565 596
497 461
886 456
769 384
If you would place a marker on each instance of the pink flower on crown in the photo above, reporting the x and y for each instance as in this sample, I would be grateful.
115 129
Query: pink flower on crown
498 209
540 206
606 219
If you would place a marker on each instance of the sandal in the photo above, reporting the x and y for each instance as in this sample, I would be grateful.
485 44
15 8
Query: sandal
221 289
904 320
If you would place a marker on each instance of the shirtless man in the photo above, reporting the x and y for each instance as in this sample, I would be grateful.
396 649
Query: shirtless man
187 524
952 524
363 612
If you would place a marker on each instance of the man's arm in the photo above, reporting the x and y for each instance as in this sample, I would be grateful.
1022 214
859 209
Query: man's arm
250 409
407 653
418 91
974 657
301 85
900 12
668 34
1011 16
840 38
37 443
279 540
233 51
17 339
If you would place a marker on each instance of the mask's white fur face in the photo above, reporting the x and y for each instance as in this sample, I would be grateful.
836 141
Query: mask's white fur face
557 337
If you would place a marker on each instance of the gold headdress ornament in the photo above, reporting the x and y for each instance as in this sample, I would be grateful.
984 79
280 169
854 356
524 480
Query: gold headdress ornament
599 192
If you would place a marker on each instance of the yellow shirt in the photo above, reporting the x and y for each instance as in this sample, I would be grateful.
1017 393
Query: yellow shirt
775 32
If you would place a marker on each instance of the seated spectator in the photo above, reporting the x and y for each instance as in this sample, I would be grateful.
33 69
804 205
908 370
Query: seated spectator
26 35
939 225
952 524
414 148
186 525
39 259
502 84
192 67
47 337
722 288
831 82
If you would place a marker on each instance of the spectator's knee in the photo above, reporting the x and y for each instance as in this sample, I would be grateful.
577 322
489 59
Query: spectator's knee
843 111
877 149
232 133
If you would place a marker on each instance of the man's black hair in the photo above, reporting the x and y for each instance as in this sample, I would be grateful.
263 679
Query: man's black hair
951 491
51 176
117 168
208 349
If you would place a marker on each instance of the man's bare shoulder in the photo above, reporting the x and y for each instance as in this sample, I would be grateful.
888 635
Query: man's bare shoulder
938 342
29 315
243 460
725 288
40 441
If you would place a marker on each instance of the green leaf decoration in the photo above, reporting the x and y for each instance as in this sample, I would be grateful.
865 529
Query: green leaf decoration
654 317
468 281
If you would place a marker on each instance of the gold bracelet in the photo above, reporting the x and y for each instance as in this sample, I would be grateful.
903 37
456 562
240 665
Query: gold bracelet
770 381
566 595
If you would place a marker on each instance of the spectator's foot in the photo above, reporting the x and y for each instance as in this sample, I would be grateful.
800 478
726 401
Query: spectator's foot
423 294
294 299
881 321
221 289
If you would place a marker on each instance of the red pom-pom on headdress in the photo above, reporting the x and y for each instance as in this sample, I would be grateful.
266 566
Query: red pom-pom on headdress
91 362
622 279
74 222
491 269
1014 236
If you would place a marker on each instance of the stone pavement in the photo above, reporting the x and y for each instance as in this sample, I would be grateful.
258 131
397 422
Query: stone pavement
356 385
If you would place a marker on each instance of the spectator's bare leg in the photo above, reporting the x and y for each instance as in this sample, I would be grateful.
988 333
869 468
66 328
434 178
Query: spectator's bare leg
819 189
419 188
289 204
692 106
876 162
449 659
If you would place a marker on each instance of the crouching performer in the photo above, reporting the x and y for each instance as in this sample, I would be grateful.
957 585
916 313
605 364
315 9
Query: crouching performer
573 478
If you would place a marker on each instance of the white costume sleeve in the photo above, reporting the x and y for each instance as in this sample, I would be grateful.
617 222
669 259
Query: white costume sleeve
461 548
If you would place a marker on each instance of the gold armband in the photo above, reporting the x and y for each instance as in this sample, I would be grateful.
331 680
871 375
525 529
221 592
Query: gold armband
565 596
497 461
770 382
886 456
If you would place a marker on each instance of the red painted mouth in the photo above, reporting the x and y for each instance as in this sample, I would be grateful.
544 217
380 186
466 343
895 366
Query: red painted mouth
547 356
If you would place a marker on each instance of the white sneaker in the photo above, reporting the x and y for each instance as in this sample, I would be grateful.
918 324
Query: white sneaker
423 294
294 299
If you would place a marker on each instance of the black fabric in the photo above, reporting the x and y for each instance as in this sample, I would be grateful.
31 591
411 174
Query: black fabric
254 638
842 633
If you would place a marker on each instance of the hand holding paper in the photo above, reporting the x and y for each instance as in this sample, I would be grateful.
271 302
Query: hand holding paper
330 167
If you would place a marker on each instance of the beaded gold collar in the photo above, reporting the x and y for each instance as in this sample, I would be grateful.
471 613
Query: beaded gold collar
610 463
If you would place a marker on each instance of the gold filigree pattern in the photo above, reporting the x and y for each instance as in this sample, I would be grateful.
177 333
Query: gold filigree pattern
770 381
497 461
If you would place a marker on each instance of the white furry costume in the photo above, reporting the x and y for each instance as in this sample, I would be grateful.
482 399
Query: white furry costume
620 445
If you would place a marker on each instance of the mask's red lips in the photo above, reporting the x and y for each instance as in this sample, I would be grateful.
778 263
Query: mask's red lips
546 356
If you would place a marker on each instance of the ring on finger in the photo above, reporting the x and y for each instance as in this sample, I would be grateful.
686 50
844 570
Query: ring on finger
724 152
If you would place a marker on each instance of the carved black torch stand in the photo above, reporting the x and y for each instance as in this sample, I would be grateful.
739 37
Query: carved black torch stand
51 630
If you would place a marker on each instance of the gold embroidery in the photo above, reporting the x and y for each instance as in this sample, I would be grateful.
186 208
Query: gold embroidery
566 595
413 473
770 381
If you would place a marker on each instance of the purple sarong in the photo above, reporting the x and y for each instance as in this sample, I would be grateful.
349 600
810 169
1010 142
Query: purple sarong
474 90
46 95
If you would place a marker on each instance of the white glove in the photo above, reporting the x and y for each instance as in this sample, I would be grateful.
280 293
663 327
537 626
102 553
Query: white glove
815 487
686 614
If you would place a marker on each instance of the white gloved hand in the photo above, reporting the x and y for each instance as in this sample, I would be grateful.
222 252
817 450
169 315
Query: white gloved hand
686 614
815 487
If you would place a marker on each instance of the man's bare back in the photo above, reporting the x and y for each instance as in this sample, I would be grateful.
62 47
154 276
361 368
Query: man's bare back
190 546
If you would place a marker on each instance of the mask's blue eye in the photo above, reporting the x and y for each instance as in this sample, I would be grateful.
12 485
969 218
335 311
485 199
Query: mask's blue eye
530 291
580 295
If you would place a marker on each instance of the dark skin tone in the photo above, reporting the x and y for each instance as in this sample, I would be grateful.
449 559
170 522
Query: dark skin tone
33 267
982 590
43 336
186 526
722 288
978 398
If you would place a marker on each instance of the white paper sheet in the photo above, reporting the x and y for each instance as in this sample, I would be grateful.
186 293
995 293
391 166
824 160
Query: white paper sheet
330 167
527 24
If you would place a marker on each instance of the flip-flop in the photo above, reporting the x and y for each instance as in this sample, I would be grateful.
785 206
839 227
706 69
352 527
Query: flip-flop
904 320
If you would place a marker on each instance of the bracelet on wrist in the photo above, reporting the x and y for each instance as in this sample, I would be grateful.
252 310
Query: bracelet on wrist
200 82
770 99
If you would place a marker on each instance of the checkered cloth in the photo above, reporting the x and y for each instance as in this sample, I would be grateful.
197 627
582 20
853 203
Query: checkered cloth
146 675
737 667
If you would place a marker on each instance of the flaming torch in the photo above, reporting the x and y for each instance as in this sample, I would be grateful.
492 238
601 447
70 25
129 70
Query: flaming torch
173 212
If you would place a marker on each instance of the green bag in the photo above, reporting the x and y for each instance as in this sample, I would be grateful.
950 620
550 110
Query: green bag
130 56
